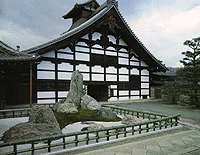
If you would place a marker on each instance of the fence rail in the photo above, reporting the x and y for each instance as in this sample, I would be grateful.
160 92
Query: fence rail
13 113
96 135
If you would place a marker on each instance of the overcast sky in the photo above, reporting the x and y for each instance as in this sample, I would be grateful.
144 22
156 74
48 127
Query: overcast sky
161 25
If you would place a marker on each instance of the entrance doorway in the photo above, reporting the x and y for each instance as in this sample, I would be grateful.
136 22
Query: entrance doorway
98 92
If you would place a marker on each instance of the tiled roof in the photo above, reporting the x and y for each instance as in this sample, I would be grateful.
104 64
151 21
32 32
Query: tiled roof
167 73
7 53
96 15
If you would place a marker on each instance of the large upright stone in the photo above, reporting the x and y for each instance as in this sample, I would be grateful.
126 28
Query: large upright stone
76 89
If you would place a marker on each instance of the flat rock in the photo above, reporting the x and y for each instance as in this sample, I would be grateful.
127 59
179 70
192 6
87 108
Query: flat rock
129 119
88 102
67 107
107 113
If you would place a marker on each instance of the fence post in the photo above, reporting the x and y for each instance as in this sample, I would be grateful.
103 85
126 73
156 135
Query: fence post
32 148
63 142
49 145
15 149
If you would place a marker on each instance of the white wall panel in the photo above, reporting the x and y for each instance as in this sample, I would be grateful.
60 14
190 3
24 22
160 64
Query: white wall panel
123 92
115 93
112 39
135 97
65 56
45 75
47 94
46 101
111 70
98 69
123 50
145 92
82 67
97 51
123 78
145 78
111 77
49 54
62 93
65 66
134 63
143 63
46 65
85 36
112 99
123 71
82 43
134 71
97 77
144 85
65 50
111 53
86 77
113 86
96 36
82 56
135 92
64 76
121 42
82 49
124 55
123 61
123 98
144 72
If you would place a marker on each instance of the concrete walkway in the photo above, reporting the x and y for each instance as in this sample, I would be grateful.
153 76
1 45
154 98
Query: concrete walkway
173 142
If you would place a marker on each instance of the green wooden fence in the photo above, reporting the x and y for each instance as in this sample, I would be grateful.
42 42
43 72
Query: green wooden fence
158 122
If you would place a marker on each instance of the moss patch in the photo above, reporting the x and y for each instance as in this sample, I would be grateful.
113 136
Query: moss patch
64 119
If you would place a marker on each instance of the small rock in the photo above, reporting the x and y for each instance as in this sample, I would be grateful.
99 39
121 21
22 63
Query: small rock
107 113
129 119
88 102
67 107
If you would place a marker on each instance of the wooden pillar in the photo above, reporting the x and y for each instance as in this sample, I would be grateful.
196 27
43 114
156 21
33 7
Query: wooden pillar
31 83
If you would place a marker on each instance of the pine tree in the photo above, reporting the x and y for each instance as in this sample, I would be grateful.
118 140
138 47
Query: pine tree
191 71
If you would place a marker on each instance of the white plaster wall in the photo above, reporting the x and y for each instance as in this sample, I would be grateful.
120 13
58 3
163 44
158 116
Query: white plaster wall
135 92
82 67
112 39
50 54
65 56
113 86
123 98
115 92
111 70
85 36
123 50
62 93
134 71
123 92
123 71
123 61
111 53
121 42
86 77
134 63
64 76
112 99
144 85
144 72
45 75
46 65
46 101
123 78
145 92
82 49
98 69
143 63
124 55
65 50
47 94
65 66
135 97
96 36
82 56
145 78
97 77
111 77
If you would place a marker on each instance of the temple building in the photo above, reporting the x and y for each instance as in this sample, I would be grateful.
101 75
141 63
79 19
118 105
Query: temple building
114 63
